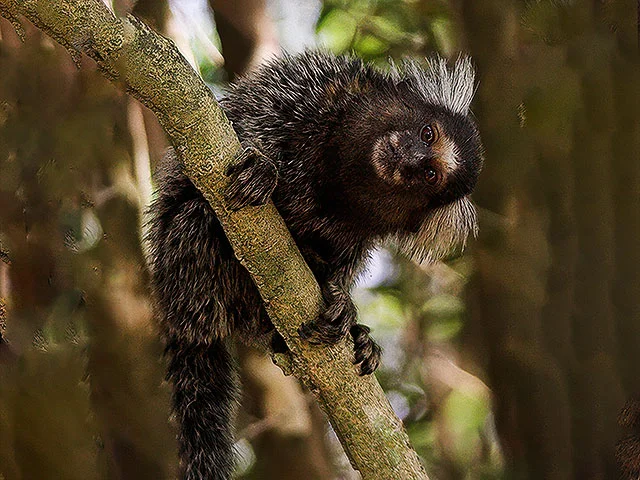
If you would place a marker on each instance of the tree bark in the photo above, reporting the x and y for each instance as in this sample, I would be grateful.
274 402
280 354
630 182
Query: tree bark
150 68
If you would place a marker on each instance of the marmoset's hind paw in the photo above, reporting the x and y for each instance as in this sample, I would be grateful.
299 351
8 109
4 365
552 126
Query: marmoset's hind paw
367 352
253 177
339 319
334 322
319 332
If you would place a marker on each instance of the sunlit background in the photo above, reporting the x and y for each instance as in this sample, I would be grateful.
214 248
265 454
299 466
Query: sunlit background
517 360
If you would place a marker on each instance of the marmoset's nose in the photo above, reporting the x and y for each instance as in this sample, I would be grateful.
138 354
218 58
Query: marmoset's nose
421 168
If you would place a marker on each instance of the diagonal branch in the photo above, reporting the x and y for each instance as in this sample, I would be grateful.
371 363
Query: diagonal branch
150 68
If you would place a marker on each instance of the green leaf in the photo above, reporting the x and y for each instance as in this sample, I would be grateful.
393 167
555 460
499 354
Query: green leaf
369 46
465 416
337 30
445 315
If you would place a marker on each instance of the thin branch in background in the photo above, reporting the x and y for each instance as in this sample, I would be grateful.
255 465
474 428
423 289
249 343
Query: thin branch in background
4 254
140 152
7 354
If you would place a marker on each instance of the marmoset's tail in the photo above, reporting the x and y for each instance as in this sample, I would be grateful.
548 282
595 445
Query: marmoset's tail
205 390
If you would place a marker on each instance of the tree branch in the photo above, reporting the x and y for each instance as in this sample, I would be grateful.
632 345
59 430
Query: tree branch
151 69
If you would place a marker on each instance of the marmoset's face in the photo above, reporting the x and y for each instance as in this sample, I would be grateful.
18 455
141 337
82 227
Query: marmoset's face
429 153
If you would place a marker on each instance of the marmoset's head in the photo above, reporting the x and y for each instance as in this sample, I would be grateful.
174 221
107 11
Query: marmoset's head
425 153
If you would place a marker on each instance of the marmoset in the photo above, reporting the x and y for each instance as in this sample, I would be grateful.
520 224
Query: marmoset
351 156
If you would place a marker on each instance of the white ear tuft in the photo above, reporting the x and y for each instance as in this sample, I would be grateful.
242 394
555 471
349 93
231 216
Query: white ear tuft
452 88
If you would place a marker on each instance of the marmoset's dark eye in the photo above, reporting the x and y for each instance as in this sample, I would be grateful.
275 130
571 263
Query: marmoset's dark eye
432 175
428 135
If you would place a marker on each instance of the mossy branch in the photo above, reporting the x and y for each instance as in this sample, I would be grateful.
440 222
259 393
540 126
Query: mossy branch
150 68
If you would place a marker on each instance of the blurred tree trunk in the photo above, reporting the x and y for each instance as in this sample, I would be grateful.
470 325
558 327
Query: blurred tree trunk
246 32
626 186
138 441
556 310
71 204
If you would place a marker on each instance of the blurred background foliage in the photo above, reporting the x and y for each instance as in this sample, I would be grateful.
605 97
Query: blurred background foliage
518 360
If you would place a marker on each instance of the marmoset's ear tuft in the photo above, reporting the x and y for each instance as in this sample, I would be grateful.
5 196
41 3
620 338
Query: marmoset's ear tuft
452 88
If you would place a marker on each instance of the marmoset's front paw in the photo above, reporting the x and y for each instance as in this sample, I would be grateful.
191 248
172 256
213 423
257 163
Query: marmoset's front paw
253 177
